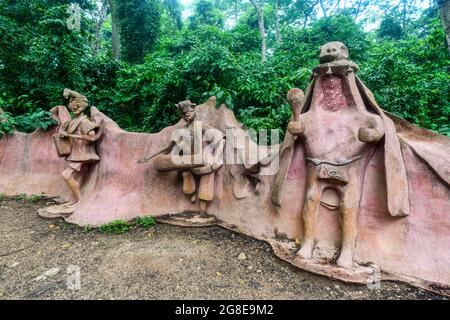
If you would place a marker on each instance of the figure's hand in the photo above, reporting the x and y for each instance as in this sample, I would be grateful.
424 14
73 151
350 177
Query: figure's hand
369 135
143 160
63 135
296 127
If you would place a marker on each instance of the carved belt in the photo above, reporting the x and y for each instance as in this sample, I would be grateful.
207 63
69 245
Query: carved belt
333 172
340 162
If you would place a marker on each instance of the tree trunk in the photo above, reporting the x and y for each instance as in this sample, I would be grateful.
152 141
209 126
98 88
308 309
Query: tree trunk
404 14
358 9
444 12
262 29
277 23
100 19
324 10
115 31
236 11
308 13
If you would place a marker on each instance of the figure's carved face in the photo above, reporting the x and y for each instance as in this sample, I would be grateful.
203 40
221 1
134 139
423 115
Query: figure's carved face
189 115
187 110
333 51
77 106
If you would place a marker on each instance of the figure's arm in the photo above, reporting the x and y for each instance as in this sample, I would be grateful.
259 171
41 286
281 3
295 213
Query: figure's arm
374 132
295 98
165 147
297 128
90 137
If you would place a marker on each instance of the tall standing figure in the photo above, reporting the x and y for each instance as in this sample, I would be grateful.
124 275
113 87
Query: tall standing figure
339 125
74 141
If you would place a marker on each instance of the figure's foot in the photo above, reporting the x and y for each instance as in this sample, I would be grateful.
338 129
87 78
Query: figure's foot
58 211
345 260
71 204
193 198
306 251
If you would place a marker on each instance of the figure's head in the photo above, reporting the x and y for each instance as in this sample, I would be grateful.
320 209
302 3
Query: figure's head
187 109
333 51
77 102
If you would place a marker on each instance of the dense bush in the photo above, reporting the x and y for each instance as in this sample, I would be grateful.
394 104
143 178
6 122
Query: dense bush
406 69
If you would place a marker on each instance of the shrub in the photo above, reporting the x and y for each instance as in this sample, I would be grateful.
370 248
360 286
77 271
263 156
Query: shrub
116 227
145 222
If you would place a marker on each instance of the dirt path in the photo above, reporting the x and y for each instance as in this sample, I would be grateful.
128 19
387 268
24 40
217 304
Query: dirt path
163 262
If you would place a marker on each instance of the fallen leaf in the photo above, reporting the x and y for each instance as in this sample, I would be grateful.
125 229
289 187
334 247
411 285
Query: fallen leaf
52 272
242 256
66 245
51 226
218 274
298 241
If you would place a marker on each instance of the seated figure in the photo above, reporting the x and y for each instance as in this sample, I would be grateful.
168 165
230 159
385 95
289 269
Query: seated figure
196 151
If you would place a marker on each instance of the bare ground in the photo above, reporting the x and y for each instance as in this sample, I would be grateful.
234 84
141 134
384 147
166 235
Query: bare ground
163 262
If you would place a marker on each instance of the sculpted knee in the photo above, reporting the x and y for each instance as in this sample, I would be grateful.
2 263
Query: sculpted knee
66 175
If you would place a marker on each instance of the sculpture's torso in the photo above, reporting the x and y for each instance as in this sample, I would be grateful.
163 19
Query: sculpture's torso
83 151
333 121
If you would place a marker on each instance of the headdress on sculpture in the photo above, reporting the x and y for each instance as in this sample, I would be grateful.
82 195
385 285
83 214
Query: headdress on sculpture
74 96
333 51
185 105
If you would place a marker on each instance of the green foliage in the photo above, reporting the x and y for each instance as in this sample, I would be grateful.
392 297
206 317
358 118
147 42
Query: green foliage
121 226
390 28
163 62
138 21
205 14
29 122
36 197
145 222
87 229
174 9
40 56
31 198
6 123
116 227
410 77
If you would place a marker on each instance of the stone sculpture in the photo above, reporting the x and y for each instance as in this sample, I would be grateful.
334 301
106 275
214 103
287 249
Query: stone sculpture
200 147
340 124
408 173
74 141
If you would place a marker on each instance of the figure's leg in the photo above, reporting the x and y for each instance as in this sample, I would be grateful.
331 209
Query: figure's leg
310 211
189 184
74 186
349 208
206 190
